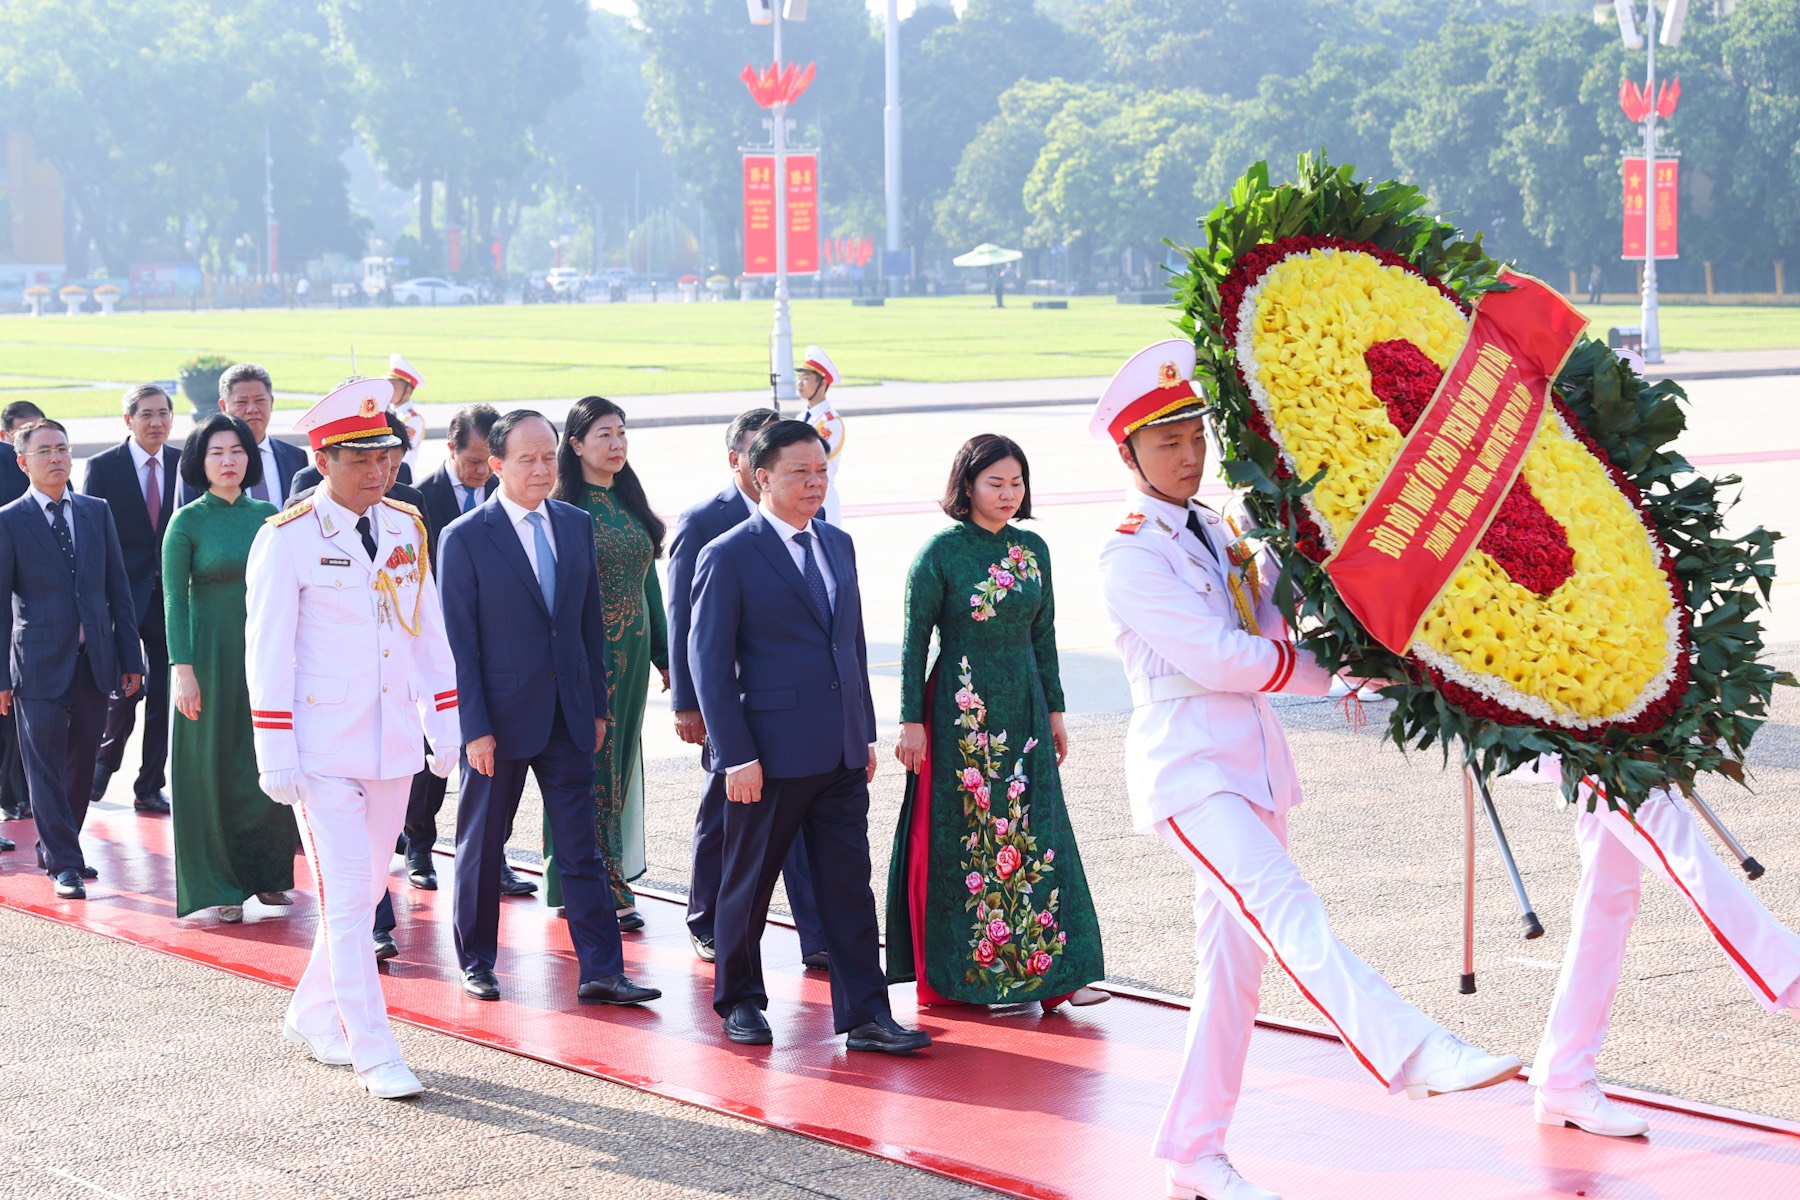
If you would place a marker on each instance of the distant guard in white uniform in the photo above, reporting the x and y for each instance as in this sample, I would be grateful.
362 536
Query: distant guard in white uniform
349 671
406 381
814 378
1664 839
1209 772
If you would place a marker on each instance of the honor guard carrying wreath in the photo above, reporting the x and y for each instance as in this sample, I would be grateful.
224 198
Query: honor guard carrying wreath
1209 772
813 378
349 672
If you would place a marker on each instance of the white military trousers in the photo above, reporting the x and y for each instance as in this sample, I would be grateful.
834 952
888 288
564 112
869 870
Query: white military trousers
348 827
1250 903
1615 851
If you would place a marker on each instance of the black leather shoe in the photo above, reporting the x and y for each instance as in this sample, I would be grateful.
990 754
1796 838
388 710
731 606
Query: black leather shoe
21 813
102 776
481 984
385 947
423 878
515 885
631 922
89 873
703 946
747 1026
888 1036
6 844
68 885
818 960
615 989
154 803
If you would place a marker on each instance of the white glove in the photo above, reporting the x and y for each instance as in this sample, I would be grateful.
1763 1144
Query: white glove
283 787
442 762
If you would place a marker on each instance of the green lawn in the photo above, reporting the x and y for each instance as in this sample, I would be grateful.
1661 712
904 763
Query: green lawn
516 353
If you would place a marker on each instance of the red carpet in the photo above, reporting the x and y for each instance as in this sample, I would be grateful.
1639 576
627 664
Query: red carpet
1059 1106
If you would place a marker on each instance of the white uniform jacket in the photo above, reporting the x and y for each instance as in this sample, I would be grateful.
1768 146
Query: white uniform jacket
1200 680
347 661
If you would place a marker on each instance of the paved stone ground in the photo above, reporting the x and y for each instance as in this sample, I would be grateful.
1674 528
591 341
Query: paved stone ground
126 1073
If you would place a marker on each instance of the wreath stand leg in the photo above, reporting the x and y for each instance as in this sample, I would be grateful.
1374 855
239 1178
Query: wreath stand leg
1474 782
1751 867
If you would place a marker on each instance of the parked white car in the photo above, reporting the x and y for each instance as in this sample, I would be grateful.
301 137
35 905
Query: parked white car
429 290
564 280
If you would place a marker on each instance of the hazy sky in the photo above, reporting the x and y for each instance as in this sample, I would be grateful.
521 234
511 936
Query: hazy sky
878 7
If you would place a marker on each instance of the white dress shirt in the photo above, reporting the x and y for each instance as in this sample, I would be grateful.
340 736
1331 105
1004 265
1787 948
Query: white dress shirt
798 554
516 513
750 504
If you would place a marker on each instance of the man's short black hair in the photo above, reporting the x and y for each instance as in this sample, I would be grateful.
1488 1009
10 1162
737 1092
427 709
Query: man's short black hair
477 420
746 424
777 437
193 452
19 412
22 435
502 428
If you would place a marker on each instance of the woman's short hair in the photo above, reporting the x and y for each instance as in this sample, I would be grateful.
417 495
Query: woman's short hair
977 455
193 452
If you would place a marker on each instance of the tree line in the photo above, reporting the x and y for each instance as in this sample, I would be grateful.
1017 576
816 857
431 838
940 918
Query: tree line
1084 132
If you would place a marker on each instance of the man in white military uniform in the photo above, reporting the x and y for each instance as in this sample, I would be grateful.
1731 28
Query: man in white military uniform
1663 838
814 377
349 671
1209 772
406 381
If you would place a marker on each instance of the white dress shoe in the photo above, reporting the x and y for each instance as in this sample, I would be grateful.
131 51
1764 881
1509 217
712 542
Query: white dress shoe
1212 1178
1586 1107
332 1049
390 1081
1446 1063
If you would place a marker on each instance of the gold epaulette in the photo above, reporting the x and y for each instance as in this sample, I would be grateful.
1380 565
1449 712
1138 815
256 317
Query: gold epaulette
402 505
288 514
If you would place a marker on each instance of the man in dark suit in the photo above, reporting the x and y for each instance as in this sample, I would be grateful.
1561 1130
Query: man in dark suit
71 640
459 486
247 393
697 527
780 667
15 797
522 611
137 480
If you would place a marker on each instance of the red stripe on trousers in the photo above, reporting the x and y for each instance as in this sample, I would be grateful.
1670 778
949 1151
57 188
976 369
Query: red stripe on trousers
1718 936
1279 961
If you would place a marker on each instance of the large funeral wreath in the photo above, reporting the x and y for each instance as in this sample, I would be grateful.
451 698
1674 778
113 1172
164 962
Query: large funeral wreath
1605 615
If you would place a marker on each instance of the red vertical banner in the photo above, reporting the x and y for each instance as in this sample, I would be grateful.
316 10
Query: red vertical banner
759 214
1667 189
802 214
1668 179
453 248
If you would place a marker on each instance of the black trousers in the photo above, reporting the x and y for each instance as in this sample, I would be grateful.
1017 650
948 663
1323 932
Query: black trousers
121 710
709 859
484 817
15 793
423 804
60 739
833 810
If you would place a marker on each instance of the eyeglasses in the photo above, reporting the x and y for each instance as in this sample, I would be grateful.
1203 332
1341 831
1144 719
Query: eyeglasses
47 453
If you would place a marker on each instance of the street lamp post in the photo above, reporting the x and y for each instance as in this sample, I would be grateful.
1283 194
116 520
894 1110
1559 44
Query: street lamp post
781 338
1671 35
890 128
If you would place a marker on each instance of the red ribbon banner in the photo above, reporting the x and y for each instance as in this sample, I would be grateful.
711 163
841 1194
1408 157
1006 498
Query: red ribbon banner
1456 466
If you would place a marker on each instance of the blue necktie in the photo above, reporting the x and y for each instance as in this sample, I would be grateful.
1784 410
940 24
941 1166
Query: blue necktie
546 561
468 498
815 582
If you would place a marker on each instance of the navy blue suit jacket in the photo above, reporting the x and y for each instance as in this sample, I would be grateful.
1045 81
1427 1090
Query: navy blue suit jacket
49 609
694 529
774 683
13 483
443 505
112 476
514 658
